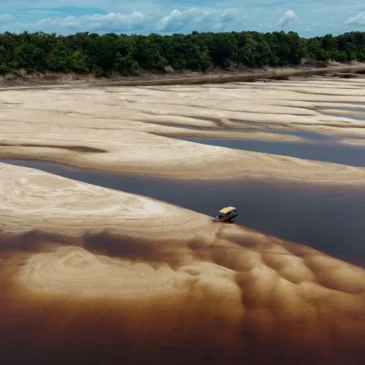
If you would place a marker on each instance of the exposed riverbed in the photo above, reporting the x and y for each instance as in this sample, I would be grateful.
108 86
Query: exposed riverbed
97 276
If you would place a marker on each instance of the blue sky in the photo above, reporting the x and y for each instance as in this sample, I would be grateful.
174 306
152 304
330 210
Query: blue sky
307 17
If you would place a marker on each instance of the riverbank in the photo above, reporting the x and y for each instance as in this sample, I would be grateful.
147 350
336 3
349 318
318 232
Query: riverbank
216 76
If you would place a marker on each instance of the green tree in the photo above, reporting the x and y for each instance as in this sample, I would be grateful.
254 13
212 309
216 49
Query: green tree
132 54
148 55
59 58
126 65
29 57
78 62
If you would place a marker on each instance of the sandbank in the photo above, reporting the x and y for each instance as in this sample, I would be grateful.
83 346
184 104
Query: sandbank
89 255
127 129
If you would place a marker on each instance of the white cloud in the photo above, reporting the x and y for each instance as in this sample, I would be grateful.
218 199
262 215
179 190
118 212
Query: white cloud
5 18
194 18
117 22
229 14
358 19
46 22
112 22
288 18
176 16
183 21
265 25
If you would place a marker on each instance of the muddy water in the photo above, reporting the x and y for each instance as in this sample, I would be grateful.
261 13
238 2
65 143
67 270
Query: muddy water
331 220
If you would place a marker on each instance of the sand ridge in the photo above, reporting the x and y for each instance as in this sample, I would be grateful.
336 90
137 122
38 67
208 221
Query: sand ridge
131 127
43 199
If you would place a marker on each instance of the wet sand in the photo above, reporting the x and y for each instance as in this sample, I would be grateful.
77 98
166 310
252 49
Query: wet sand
87 276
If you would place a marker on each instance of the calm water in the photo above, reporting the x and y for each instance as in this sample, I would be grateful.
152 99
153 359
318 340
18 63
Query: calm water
329 219
350 116
318 150
305 134
349 109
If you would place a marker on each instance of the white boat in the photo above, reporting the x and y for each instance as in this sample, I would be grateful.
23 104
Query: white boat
226 214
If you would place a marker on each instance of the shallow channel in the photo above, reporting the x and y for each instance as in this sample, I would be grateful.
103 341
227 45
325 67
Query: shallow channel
320 150
337 112
328 219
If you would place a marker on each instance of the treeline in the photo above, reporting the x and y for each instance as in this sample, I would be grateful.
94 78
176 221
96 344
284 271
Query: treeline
110 53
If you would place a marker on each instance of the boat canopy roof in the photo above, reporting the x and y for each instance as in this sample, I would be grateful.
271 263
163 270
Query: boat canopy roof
226 210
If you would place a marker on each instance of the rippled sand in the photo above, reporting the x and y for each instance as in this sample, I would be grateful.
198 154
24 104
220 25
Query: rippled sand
94 276
90 275
127 129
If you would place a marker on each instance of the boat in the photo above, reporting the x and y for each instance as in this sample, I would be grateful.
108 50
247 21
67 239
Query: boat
226 214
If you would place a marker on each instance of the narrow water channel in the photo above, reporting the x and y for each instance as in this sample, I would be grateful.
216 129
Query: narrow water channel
320 150
328 219
338 112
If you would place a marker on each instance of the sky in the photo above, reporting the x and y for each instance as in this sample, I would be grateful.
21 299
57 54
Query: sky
307 17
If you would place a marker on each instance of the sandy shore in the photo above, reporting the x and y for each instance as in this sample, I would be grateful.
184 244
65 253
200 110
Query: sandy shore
77 207
76 258
126 129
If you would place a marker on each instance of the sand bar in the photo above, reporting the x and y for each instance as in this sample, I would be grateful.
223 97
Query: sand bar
64 244
126 129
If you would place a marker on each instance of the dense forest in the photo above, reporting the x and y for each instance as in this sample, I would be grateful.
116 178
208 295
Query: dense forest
111 53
